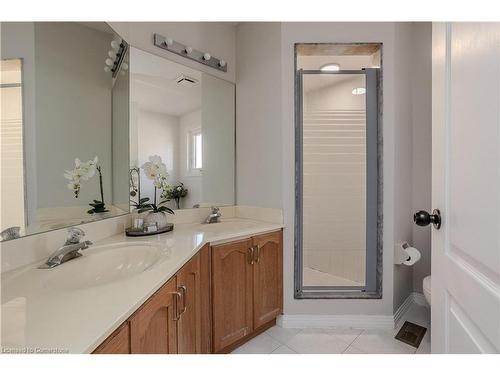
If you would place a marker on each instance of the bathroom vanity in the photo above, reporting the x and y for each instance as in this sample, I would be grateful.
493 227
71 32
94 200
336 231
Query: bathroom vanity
203 288
223 296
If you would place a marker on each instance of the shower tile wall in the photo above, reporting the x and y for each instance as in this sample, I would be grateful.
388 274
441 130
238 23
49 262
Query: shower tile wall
334 185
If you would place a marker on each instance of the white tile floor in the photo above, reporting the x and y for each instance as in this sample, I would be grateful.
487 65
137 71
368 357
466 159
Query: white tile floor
278 340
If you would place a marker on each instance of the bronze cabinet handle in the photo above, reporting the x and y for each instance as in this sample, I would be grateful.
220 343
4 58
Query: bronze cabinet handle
177 298
257 259
183 290
251 252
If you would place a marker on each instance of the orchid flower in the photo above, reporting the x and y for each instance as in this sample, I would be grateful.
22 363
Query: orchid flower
82 171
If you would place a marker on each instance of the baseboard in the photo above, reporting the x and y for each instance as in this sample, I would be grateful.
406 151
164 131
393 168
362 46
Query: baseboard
402 309
352 321
414 297
419 299
337 321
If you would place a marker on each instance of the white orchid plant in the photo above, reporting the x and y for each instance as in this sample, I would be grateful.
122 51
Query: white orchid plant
84 172
155 170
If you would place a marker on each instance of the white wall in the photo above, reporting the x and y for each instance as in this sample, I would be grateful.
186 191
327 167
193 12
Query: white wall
187 123
218 141
421 75
258 115
256 105
157 135
217 38
73 102
120 144
402 209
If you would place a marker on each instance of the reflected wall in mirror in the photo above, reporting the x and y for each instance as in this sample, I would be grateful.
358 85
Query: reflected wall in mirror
64 125
185 118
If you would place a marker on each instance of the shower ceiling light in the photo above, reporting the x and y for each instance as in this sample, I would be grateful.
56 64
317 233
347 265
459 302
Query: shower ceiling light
358 91
331 67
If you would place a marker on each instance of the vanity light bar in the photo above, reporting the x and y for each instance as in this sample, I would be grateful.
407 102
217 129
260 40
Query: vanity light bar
189 52
122 50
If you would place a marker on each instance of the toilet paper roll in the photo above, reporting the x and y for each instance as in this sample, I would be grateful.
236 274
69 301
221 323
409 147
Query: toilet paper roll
413 256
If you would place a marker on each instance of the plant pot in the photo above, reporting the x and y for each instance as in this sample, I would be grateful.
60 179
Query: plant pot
158 218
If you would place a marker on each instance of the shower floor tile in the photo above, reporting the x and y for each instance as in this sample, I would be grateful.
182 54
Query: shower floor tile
314 277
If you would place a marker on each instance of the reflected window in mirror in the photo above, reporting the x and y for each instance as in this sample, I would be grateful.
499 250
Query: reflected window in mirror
195 152
12 206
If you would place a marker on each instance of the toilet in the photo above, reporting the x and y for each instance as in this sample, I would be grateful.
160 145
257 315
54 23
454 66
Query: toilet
426 286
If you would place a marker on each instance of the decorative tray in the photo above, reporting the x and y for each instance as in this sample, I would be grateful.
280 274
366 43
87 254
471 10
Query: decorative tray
133 232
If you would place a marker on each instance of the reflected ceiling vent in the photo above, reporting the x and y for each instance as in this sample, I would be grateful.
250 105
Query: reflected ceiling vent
186 81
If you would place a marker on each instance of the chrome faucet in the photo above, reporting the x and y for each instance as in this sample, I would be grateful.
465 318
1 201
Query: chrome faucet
10 233
214 216
70 249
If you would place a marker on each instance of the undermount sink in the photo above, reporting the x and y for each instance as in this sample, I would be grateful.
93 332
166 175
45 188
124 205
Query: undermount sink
101 265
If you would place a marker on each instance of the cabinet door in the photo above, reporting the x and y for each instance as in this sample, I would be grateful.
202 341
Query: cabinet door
231 292
117 343
267 278
206 299
194 287
153 328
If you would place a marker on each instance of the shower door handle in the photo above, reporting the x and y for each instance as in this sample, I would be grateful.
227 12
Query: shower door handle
423 218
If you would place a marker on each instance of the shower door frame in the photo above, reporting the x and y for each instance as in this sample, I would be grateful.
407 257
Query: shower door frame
373 263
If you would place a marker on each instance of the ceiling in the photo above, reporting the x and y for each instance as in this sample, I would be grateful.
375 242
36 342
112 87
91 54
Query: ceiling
99 26
154 88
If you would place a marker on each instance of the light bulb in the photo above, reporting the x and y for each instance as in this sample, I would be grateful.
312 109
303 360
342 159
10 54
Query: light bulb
331 67
111 53
107 69
115 45
358 91
188 49
206 56
124 66
109 62
169 41
222 63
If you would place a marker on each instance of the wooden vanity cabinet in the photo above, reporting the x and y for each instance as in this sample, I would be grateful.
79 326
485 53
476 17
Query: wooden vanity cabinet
153 328
267 278
193 284
247 286
219 299
231 293
117 343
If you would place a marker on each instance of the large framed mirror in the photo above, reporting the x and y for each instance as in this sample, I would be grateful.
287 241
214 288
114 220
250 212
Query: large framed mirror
64 94
182 124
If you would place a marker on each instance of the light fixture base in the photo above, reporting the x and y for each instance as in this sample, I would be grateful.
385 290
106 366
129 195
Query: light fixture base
180 49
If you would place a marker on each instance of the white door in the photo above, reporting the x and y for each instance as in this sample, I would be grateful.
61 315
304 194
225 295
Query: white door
466 188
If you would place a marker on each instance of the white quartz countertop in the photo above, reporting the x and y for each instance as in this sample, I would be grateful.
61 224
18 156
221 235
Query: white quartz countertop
42 312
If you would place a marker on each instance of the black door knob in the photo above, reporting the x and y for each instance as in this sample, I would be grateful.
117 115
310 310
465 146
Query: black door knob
423 218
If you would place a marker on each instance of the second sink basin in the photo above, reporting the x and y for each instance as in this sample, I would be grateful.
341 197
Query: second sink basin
102 265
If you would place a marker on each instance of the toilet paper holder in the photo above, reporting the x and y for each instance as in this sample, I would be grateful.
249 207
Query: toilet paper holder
403 254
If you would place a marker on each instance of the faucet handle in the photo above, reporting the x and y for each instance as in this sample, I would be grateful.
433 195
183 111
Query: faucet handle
74 235
215 209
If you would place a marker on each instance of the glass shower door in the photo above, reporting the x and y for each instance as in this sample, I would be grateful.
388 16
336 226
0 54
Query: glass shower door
337 183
